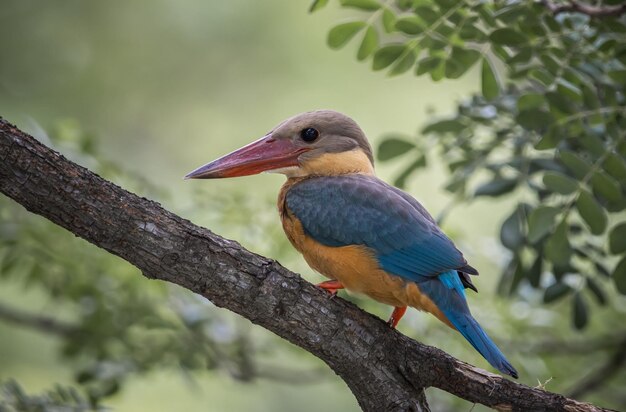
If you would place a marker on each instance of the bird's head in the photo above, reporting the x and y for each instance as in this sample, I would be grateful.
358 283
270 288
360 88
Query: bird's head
322 142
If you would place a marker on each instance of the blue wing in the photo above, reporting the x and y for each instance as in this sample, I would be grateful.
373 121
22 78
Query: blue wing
363 210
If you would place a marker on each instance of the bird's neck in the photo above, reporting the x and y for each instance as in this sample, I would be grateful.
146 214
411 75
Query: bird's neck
328 165
335 164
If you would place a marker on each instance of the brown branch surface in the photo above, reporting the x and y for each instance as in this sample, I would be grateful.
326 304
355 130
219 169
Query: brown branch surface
574 6
385 370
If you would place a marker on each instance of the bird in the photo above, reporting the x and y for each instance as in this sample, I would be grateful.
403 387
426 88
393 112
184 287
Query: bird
363 234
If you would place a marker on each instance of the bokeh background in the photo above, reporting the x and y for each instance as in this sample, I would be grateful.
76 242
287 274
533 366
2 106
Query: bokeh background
163 86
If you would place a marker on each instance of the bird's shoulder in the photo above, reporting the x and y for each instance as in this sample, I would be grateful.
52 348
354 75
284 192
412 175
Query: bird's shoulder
357 209
361 190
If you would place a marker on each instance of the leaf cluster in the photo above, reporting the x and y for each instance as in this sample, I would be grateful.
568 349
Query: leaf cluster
547 129
13 398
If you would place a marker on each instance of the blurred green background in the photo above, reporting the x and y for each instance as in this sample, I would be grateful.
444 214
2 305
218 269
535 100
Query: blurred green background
165 86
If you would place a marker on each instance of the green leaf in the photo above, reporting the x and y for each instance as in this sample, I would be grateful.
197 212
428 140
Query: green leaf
541 222
386 55
535 271
456 184
550 63
368 44
530 101
428 64
517 277
427 14
534 119
410 25
617 239
489 82
400 181
445 126
597 291
486 14
542 75
544 164
446 4
438 72
509 14
602 270
619 276
592 213
404 63
550 138
569 90
508 37
340 35
404 5
460 61
580 311
369 5
615 165
591 100
593 144
560 102
606 186
524 56
470 32
512 230
555 292
393 147
317 4
389 20
552 24
496 187
618 75
558 249
579 167
559 183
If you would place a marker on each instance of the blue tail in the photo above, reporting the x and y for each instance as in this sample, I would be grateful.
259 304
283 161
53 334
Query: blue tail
472 331
447 292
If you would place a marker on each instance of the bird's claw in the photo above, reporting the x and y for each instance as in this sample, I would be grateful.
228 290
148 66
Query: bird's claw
330 286
395 317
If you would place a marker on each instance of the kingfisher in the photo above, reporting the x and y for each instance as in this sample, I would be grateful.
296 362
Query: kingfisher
361 233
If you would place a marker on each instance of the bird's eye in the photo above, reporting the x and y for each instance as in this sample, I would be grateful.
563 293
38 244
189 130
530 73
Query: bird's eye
309 134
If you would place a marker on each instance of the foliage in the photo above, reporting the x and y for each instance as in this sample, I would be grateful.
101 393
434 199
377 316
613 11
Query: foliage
60 399
111 322
547 129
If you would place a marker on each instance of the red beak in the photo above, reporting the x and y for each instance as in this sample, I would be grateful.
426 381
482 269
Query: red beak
262 155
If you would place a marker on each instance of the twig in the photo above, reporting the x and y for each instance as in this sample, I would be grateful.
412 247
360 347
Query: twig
39 322
602 374
574 6
568 347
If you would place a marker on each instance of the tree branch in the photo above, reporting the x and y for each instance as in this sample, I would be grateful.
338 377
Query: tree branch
385 370
591 11
39 322
560 347
605 372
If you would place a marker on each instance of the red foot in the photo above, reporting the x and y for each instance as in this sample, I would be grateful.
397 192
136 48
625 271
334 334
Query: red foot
397 314
332 286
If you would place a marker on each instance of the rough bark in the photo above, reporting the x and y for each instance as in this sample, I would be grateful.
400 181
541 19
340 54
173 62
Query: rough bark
385 370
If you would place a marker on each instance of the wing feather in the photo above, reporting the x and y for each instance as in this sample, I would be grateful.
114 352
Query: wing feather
363 210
